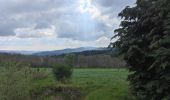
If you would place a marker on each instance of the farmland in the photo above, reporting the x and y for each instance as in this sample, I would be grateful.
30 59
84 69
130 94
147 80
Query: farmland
91 84
32 78
18 82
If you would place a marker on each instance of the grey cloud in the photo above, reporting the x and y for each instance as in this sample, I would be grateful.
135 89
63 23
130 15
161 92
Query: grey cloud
42 14
114 3
105 3
26 6
42 25
7 27
25 13
112 6
6 32
82 28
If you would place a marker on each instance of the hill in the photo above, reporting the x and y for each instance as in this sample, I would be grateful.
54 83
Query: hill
67 51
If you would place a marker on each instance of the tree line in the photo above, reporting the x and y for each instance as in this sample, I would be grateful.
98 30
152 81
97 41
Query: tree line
79 61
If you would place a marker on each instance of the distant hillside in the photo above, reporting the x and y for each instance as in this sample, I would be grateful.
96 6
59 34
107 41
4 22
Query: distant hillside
103 51
18 52
67 51
86 51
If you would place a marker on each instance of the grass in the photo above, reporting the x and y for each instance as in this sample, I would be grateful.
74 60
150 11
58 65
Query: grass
96 84
102 84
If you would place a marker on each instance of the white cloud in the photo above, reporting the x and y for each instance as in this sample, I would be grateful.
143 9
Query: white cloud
75 23
102 41
35 33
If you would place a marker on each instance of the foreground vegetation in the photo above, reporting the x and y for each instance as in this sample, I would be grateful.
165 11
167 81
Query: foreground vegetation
91 84
85 84
144 39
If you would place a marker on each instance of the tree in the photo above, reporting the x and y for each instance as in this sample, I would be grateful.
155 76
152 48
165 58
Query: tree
70 59
144 38
62 72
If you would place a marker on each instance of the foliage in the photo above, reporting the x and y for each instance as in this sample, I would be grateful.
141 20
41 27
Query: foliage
87 84
144 37
15 82
38 75
87 59
62 72
70 59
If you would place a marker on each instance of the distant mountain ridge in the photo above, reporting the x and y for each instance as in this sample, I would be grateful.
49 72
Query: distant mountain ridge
66 51
106 51
18 52
54 52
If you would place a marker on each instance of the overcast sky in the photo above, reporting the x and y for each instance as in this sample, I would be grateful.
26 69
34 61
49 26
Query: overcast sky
57 24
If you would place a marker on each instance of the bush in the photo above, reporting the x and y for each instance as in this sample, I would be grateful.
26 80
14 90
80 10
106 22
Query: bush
62 72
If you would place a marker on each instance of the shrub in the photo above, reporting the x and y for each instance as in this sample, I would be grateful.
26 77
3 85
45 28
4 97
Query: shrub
62 72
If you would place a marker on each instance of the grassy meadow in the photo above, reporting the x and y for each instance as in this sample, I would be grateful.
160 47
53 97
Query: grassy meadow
18 82
87 84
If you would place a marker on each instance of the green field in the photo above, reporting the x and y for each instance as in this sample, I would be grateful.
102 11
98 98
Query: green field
95 84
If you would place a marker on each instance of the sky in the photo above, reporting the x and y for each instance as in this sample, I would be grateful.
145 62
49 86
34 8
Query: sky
40 25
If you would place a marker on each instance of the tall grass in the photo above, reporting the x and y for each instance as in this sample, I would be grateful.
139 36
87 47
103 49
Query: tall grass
15 81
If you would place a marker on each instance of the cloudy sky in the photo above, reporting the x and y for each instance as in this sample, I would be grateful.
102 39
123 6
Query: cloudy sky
57 24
